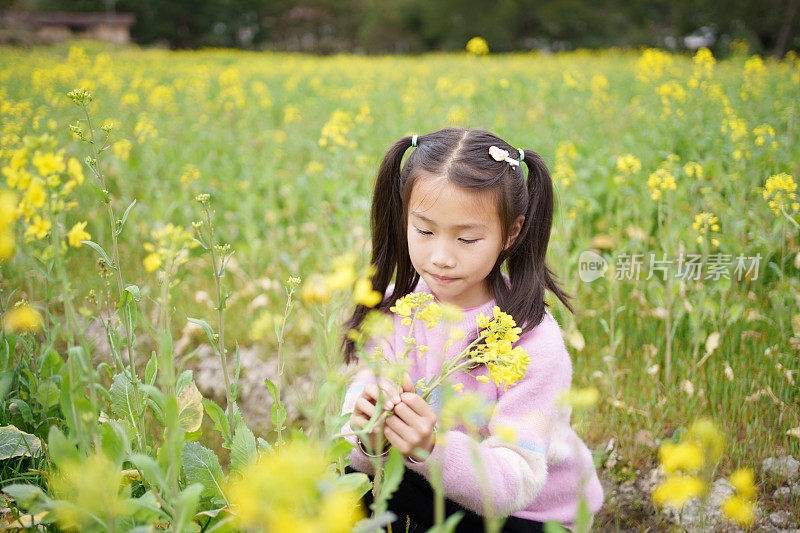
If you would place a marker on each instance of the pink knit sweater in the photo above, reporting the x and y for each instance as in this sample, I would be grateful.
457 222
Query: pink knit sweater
540 476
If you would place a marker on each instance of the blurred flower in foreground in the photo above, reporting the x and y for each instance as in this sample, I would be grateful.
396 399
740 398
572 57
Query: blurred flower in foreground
364 294
22 318
89 491
580 399
740 507
689 464
292 490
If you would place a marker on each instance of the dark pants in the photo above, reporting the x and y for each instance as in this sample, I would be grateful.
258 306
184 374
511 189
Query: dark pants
414 499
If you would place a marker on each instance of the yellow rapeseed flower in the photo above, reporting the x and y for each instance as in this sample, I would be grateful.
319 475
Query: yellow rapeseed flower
77 234
152 262
36 195
711 440
7 245
676 490
580 398
780 193
684 457
693 169
49 163
706 224
75 170
315 289
8 209
660 180
364 295
122 149
628 164
739 509
652 64
291 490
21 318
38 229
742 480
477 46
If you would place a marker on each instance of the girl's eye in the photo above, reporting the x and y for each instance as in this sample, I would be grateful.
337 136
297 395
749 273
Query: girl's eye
423 232
469 241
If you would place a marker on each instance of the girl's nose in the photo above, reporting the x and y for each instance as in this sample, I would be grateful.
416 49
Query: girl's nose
442 257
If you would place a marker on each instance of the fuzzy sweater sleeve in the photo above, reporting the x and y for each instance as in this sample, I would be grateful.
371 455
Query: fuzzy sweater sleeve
515 455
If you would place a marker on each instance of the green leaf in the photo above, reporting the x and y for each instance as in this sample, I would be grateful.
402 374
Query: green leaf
99 250
50 364
185 377
209 332
201 465
27 496
16 443
114 442
151 371
134 292
217 415
375 523
584 516
21 407
554 527
340 449
101 193
125 216
264 446
47 395
392 473
187 507
356 482
61 448
278 415
123 400
190 408
243 447
150 470
147 508
449 525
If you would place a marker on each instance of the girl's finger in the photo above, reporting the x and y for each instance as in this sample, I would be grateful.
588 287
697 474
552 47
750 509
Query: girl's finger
395 439
401 428
364 406
415 402
407 414
373 392
391 389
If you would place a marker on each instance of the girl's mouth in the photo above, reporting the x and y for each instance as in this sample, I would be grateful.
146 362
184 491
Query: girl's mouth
442 279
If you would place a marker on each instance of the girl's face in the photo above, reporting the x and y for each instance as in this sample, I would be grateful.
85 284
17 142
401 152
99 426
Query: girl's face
454 239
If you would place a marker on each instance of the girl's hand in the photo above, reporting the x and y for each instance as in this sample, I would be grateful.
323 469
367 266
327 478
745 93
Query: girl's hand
365 407
410 428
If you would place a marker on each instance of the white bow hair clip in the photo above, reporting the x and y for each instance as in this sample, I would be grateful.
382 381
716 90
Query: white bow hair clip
502 155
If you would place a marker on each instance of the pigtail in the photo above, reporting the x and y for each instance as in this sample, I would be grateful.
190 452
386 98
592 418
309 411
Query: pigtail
389 241
528 271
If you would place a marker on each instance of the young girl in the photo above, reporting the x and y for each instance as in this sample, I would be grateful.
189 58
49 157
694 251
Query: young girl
446 223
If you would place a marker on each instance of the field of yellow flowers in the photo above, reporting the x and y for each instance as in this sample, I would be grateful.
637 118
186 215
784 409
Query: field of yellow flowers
157 195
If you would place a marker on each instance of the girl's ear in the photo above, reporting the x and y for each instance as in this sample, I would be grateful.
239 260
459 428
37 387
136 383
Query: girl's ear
516 227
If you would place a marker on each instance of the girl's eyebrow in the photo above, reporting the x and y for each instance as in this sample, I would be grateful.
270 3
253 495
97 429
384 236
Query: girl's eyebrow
457 226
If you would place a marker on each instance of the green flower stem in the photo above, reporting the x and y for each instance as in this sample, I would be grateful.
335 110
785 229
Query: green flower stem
220 322
127 322
286 310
